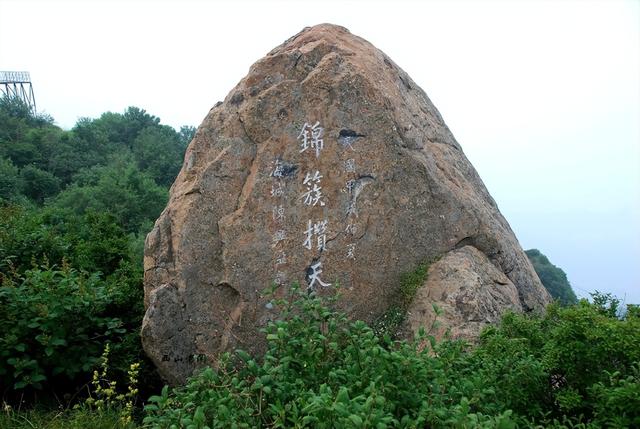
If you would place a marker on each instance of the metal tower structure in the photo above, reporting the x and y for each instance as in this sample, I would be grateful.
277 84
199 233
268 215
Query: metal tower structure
18 84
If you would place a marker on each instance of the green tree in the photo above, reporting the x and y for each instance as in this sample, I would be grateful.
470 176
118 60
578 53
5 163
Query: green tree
38 184
120 189
10 181
17 127
159 153
187 132
122 129
76 150
553 278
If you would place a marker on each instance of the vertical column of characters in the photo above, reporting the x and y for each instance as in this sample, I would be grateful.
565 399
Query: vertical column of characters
278 218
351 229
316 229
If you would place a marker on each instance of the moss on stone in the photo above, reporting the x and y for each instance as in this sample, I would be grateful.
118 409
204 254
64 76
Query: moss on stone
392 319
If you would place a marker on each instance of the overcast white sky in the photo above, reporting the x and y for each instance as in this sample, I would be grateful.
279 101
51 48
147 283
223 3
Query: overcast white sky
543 96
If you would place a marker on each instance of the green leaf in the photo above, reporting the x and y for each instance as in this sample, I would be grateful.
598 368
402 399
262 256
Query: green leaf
343 395
243 355
38 377
356 419
59 342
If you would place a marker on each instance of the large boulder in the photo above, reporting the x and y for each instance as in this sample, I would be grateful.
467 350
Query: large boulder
325 165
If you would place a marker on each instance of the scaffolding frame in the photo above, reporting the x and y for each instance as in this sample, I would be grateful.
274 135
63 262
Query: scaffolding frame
18 84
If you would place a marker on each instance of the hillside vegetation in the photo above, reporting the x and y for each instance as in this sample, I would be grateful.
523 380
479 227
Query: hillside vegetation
75 206
74 209
553 278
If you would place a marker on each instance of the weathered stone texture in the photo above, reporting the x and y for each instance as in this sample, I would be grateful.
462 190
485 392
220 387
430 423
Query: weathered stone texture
470 292
396 187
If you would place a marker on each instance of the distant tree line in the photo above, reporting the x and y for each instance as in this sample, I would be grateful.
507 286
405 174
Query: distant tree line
553 278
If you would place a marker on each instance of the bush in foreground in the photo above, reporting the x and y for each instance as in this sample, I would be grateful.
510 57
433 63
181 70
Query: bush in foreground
53 326
573 367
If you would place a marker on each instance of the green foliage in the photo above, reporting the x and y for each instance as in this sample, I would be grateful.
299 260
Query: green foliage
16 122
10 181
45 418
186 135
93 241
158 151
49 159
583 345
410 282
616 401
606 304
107 396
82 199
52 325
38 184
553 278
129 195
321 370
389 323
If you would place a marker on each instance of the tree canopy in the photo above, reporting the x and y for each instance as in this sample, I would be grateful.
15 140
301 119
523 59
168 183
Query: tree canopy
553 278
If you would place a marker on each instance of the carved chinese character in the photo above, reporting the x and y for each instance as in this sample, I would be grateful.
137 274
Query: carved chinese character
351 208
278 168
313 276
313 195
312 178
319 229
311 137
281 259
278 213
351 248
350 165
350 186
280 278
279 236
277 190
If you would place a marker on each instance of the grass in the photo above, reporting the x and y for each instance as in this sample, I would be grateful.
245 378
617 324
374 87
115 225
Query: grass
61 419
392 319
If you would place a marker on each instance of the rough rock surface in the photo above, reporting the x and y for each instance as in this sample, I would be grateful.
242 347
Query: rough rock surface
326 164
469 290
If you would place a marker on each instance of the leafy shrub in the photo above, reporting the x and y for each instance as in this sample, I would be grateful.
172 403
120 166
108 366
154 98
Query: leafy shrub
583 347
91 243
321 370
52 326
616 401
